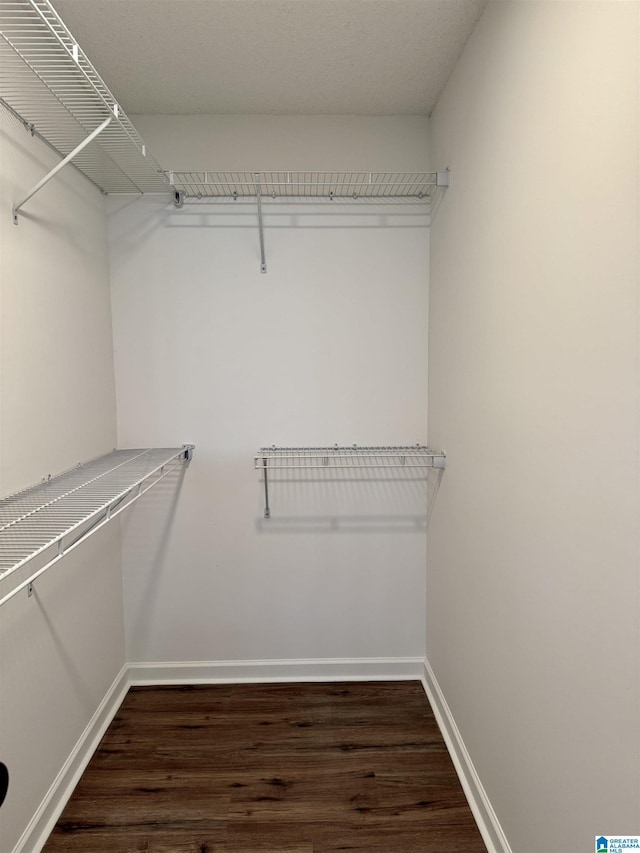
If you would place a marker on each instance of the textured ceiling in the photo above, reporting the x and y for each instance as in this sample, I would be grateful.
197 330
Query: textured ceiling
314 57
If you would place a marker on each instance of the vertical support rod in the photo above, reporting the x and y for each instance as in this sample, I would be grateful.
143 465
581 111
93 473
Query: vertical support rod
61 165
267 511
263 262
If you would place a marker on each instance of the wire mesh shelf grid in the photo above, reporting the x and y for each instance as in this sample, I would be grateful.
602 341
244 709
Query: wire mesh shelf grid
46 515
354 459
281 184
48 82
354 456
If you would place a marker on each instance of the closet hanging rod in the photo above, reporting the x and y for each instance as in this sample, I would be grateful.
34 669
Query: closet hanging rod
57 515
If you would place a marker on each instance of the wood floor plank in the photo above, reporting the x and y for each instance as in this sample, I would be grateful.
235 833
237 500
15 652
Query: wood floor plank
167 838
277 768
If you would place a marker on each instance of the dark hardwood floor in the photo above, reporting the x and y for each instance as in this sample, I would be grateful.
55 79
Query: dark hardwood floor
279 768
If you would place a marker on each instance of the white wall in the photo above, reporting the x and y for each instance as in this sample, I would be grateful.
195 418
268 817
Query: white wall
60 650
58 396
344 143
328 347
532 591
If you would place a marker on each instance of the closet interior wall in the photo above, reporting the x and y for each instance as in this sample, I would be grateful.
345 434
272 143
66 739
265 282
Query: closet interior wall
328 347
532 579
62 649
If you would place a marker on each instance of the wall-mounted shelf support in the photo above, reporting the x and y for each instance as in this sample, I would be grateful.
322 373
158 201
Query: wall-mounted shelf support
63 163
263 262
267 509
51 519
354 458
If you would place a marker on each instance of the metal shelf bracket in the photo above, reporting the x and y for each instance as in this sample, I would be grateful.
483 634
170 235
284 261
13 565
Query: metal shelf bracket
17 207
263 262
267 509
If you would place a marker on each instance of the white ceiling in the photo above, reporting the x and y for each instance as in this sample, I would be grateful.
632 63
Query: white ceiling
313 57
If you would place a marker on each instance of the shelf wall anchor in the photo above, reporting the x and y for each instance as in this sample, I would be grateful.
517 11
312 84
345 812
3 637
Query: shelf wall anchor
63 163
263 262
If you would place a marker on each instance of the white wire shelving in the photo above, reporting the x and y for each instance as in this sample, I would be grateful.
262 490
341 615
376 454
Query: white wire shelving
54 517
47 81
50 85
302 186
305 185
270 460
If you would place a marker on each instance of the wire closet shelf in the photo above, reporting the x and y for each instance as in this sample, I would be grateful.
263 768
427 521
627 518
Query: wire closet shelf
305 185
49 84
355 456
52 518
271 460
194 187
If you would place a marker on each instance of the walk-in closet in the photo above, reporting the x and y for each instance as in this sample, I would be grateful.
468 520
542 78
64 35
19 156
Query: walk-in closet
319 426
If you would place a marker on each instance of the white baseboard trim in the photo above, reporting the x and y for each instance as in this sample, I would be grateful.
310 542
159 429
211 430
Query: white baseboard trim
41 824
486 818
247 671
